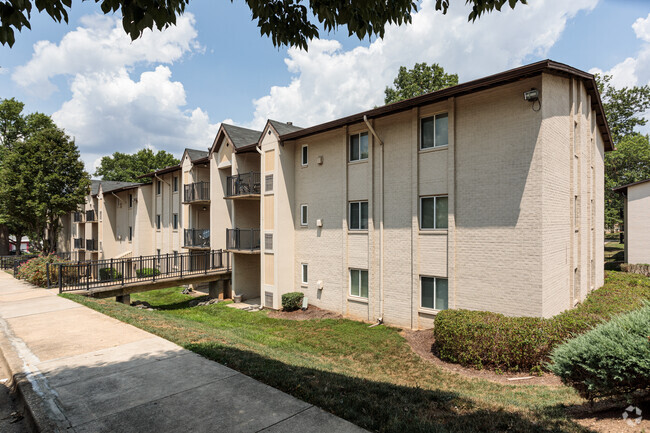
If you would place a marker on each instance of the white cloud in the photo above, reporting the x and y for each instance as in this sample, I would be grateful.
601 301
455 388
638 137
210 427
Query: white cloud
329 82
109 110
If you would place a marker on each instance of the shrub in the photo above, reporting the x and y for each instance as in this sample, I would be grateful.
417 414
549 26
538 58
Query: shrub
147 272
34 270
612 359
109 274
292 301
488 340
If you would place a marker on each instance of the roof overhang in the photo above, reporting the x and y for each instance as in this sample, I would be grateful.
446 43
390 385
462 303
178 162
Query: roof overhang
161 171
623 188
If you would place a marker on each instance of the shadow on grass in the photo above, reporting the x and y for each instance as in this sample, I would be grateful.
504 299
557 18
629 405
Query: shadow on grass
183 304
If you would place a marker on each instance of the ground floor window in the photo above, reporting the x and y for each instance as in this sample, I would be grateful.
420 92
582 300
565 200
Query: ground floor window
305 273
434 293
359 283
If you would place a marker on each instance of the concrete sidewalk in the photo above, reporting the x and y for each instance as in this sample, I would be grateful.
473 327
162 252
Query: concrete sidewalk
79 370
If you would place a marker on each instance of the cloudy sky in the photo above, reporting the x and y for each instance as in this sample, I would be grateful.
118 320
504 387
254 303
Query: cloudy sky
170 90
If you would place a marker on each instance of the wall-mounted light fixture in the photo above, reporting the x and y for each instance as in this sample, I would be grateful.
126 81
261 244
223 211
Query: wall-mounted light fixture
532 95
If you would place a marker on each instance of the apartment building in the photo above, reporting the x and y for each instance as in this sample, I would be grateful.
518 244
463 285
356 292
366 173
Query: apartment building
636 221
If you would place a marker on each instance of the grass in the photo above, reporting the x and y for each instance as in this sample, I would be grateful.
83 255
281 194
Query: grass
614 256
369 376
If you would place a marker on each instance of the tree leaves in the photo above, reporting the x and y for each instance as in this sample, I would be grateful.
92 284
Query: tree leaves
126 167
418 81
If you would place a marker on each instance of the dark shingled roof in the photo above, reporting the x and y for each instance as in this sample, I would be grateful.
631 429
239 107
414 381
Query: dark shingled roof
161 171
241 137
195 154
110 185
284 128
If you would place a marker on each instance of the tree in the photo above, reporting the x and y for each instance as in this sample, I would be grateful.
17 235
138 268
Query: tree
127 167
286 22
624 107
418 81
42 179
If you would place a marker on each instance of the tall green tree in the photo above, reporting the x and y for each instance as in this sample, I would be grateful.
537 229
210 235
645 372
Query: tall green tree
623 107
421 79
286 22
127 167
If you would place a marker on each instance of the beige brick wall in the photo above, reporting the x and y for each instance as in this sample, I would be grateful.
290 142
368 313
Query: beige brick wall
637 229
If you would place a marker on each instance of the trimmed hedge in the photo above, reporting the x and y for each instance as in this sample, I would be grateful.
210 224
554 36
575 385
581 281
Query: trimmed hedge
613 359
109 274
482 339
292 301
147 272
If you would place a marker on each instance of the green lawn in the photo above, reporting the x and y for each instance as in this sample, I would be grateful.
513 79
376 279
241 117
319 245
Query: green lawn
614 255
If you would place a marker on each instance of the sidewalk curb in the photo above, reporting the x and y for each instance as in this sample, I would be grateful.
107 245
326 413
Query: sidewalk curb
37 415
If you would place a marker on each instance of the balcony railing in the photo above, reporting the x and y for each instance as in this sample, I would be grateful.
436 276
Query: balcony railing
78 243
243 239
91 244
243 184
198 191
197 238
90 216
77 217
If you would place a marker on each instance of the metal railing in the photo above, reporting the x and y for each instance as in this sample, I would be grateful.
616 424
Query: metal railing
243 184
91 244
198 191
199 238
78 243
77 217
243 239
90 216
118 272
13 261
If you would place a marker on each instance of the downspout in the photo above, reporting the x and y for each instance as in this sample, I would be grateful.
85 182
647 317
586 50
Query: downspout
381 219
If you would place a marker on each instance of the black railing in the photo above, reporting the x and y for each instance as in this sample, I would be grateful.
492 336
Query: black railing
243 184
198 238
198 191
10 262
118 272
90 216
78 243
243 239
77 217
91 244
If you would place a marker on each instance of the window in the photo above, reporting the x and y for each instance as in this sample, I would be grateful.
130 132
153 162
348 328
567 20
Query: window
175 221
304 155
433 212
130 233
303 214
305 273
268 183
158 253
175 183
158 222
130 200
359 283
433 131
434 293
158 187
268 241
359 215
175 262
359 147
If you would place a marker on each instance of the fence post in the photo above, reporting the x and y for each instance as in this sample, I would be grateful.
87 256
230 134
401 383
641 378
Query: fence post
88 276
122 261
166 263
181 257
156 261
60 280
205 259
47 272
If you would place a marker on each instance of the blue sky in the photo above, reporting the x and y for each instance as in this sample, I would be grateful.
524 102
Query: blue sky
172 89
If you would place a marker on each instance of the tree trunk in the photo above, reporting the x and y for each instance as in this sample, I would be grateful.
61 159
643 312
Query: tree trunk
4 240
18 243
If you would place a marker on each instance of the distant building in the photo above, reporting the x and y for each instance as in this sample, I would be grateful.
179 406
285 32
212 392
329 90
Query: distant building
636 221
24 245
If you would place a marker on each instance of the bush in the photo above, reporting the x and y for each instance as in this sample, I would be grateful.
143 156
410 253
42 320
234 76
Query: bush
292 301
109 274
34 270
147 272
488 340
612 359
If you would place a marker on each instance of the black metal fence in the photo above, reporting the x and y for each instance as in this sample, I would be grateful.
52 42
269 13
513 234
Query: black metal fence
198 191
113 272
13 261
243 239
198 238
90 216
243 184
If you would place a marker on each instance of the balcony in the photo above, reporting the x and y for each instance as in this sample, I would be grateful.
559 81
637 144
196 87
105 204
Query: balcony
243 240
246 185
91 217
78 217
78 243
91 244
197 238
198 192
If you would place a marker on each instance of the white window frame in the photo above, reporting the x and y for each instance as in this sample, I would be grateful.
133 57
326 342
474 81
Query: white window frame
350 147
434 131
266 190
350 215
350 283
304 281
304 161
270 250
435 212
304 215
435 289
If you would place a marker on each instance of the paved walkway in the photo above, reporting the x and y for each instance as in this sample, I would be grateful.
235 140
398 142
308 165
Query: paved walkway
79 370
